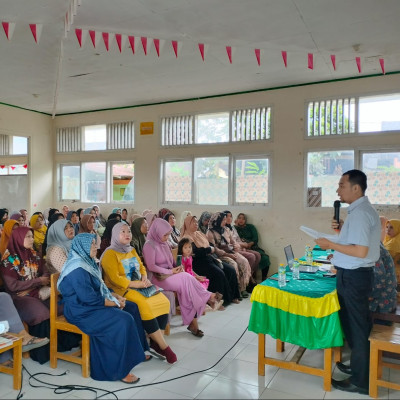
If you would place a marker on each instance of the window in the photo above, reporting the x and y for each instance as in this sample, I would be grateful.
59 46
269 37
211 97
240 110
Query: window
178 181
94 182
19 145
212 128
251 124
211 176
323 173
251 180
70 182
177 130
379 113
383 172
123 182
95 137
14 169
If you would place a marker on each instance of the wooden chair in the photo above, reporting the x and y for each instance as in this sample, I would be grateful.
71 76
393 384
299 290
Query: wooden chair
382 338
16 369
59 323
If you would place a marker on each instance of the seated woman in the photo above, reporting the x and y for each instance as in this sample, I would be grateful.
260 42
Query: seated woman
248 234
39 229
73 217
173 239
87 226
217 236
125 274
9 313
19 218
203 221
27 281
392 237
163 212
106 238
222 276
139 229
150 217
3 215
116 340
183 217
59 239
99 217
9 226
192 296
114 216
252 256
52 219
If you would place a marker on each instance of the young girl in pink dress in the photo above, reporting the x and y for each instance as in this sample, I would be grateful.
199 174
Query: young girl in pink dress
185 250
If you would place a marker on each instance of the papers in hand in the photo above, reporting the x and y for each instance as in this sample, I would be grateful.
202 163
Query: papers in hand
315 234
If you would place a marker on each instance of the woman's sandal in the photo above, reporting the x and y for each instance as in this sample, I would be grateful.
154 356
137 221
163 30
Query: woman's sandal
218 296
8 364
34 343
197 333
131 382
148 357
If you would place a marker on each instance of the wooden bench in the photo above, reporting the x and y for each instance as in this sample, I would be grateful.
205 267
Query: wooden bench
16 369
382 338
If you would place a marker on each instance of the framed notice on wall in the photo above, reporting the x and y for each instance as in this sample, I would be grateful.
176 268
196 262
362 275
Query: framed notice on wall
314 196
146 128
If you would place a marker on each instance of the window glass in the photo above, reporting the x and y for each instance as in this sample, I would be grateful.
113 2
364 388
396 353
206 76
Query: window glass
324 170
70 182
178 181
19 145
95 137
123 182
252 180
212 128
17 170
94 182
383 172
212 178
3 170
379 113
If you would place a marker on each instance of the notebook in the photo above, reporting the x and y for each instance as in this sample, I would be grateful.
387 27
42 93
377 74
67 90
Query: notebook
303 267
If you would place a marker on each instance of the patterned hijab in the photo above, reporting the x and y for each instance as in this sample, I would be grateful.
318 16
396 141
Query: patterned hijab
158 229
56 236
5 236
215 222
199 238
138 237
204 216
79 257
392 244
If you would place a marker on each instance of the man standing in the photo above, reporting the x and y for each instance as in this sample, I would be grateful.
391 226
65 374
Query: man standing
355 255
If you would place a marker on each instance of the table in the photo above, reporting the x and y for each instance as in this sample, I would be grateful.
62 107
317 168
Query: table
309 306
16 369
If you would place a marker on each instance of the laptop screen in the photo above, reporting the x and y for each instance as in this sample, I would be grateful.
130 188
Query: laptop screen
289 253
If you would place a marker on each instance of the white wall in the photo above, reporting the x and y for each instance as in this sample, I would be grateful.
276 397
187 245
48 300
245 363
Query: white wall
278 223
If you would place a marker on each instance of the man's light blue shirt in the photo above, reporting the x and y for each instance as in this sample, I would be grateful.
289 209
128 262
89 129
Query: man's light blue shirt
362 227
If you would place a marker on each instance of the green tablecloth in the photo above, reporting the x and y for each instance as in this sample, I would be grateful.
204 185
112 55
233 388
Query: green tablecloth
303 312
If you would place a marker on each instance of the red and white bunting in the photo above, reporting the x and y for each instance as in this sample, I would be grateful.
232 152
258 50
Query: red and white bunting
382 64
157 46
8 29
132 43
25 166
36 30
121 41
201 48
284 56
144 44
310 61
12 167
81 35
94 37
175 47
358 62
333 59
257 52
229 52
107 39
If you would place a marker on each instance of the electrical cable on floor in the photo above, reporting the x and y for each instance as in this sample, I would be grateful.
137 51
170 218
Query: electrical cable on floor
61 389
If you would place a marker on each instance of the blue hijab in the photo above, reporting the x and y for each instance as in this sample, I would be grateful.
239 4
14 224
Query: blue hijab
79 257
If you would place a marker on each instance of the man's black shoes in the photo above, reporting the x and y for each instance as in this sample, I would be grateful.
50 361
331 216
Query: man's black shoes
344 368
347 386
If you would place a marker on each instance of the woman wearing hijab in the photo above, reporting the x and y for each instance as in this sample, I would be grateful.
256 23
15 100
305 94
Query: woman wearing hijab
87 226
139 229
150 217
9 226
27 281
116 210
19 218
192 296
53 218
80 211
98 215
106 238
116 340
59 239
174 238
74 218
392 237
217 236
125 274
39 229
3 215
222 276
183 216
163 212
203 221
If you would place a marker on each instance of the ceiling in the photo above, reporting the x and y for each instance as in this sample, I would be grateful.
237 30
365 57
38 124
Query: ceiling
57 76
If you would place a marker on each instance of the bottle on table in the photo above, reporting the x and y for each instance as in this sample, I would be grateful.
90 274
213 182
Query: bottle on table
309 255
282 275
296 269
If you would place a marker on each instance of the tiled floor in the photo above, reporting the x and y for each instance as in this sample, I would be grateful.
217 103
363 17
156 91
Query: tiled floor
234 377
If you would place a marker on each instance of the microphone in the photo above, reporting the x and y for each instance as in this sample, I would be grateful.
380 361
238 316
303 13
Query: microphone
336 205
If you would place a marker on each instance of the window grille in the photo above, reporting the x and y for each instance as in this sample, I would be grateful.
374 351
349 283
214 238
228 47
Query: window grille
177 130
69 139
120 135
4 145
331 117
251 124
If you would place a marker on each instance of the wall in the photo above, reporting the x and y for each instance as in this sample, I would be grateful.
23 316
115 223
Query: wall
278 223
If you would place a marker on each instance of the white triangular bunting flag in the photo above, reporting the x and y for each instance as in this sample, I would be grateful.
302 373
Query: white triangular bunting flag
8 29
36 30
121 41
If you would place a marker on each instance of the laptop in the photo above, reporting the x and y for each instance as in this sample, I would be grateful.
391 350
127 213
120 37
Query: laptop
303 267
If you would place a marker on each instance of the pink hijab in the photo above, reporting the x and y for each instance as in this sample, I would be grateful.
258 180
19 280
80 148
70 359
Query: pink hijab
158 229
150 217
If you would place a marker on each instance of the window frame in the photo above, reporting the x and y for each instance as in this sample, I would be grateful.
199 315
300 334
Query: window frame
60 185
110 199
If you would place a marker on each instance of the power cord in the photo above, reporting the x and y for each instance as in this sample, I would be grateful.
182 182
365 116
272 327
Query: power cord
61 389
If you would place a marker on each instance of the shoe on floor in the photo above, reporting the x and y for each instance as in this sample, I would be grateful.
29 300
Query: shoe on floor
156 348
170 355
347 386
344 368
34 343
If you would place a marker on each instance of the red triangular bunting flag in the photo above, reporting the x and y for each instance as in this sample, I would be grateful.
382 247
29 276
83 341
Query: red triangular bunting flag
34 31
25 166
175 47
333 59
12 167
118 38
201 48
79 36
105 39
258 56
310 61
382 62
2 166
8 29
358 61
132 43
93 37
284 56
157 46
144 44
229 52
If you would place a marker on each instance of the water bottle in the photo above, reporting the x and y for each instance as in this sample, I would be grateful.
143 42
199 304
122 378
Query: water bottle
282 275
309 255
296 269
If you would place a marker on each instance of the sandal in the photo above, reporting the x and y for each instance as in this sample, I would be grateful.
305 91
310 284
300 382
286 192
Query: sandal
235 301
34 343
8 364
218 296
131 382
197 333
148 357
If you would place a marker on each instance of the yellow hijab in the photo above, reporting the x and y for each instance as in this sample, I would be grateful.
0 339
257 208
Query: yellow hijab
392 244
5 236
38 234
